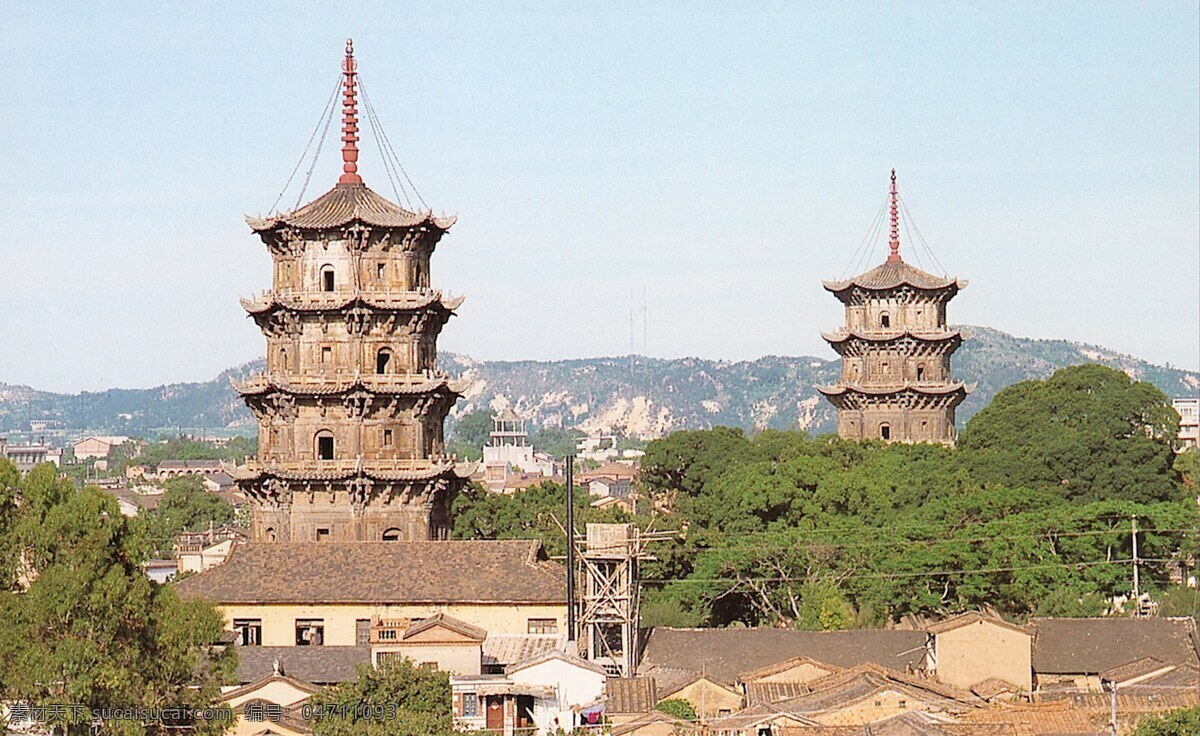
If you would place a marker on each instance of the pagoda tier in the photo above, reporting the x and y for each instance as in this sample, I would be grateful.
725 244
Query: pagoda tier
352 405
896 347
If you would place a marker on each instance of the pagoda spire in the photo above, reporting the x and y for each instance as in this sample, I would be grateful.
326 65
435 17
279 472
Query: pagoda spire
349 118
894 241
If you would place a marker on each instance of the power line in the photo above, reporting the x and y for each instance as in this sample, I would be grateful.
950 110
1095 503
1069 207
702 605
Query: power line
899 575
324 115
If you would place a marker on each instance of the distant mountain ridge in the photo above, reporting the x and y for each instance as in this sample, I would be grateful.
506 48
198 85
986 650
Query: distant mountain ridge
632 395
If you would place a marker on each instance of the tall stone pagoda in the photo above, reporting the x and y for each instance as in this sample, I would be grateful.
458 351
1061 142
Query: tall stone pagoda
351 406
895 345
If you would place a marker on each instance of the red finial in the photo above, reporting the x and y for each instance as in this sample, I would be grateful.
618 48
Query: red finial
894 243
349 119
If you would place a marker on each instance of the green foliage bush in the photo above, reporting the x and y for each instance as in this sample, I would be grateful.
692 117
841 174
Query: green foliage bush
1031 514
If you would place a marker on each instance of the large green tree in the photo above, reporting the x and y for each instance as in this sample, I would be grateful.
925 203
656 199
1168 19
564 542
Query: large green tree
397 699
1184 722
85 626
1089 431
185 506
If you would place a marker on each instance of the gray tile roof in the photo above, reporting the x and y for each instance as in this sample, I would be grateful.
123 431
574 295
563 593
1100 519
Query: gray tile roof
318 665
382 572
1093 645
725 653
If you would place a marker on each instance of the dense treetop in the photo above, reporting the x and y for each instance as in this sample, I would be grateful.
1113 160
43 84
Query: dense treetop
1031 514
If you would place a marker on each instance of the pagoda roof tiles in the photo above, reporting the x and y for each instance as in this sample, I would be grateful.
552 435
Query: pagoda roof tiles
886 335
893 274
375 470
347 203
386 385
323 302
920 388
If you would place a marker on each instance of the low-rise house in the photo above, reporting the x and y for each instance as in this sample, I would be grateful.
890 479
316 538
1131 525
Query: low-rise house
970 649
218 481
1070 654
654 723
133 503
178 468
442 641
96 447
610 480
27 456
328 593
202 550
549 692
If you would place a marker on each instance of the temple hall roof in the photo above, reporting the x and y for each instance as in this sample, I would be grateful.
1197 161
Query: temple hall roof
347 203
892 274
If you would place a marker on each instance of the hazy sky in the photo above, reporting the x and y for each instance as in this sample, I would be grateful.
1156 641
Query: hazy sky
722 157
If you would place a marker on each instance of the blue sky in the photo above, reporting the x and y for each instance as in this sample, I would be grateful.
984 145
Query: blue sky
721 158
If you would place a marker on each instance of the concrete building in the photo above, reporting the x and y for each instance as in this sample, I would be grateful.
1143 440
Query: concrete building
94 447
27 456
350 410
1189 422
509 454
895 346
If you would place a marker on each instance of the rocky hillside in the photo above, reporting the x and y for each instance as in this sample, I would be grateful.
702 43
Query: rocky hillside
632 395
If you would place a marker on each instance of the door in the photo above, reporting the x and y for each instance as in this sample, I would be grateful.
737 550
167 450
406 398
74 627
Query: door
494 716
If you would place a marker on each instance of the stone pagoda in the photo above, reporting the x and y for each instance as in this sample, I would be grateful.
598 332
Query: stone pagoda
896 382
351 406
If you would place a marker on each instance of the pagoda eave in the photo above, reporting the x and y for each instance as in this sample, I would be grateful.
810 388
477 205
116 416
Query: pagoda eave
842 389
448 469
843 336
261 386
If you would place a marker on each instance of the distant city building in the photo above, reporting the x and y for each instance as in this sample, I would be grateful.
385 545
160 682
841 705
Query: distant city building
27 456
1189 422
199 551
96 447
895 346
177 468
351 409
509 454
612 480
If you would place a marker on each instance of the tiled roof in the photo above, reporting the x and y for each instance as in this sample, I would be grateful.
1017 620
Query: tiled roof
318 665
506 649
724 653
905 724
773 692
630 695
347 203
382 573
971 617
888 335
449 622
1093 645
913 387
890 275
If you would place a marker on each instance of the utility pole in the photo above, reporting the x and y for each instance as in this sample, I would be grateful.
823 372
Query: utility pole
1137 591
572 635
1112 690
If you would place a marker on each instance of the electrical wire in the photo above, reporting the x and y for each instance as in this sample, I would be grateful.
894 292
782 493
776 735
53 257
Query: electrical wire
324 116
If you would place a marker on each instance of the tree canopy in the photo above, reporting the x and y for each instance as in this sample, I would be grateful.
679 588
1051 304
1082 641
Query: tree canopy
1031 514
85 626
397 699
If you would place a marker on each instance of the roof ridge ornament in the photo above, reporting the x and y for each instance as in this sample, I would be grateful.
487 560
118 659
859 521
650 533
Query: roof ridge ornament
350 118
894 241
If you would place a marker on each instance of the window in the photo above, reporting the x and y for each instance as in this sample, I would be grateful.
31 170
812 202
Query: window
326 354
325 445
722 712
327 282
921 372
310 632
470 705
391 535
382 359
902 704
283 364
362 631
389 438
248 631
322 534
270 534
543 626
379 271
885 431
885 321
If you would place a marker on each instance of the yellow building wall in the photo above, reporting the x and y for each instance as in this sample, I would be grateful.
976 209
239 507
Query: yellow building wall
279 620
801 673
708 698
866 711
981 650
279 692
